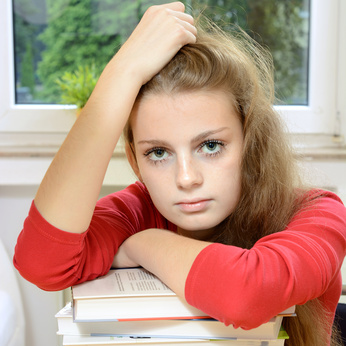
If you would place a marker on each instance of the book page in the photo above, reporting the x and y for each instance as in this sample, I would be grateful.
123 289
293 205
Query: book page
123 282
139 281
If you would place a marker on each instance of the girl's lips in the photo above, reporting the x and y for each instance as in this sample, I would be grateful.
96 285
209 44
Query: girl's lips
193 206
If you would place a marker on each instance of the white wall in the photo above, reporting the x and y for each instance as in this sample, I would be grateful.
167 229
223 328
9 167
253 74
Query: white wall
39 306
329 174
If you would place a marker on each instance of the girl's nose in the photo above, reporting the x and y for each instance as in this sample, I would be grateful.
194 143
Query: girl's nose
188 173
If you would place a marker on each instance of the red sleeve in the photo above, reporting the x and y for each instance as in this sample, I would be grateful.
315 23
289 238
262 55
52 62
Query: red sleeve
281 270
53 259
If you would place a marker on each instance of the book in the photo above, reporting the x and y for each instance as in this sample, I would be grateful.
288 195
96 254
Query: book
130 294
72 340
185 328
77 340
127 294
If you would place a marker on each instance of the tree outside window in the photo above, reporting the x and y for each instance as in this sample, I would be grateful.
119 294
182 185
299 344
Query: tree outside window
57 36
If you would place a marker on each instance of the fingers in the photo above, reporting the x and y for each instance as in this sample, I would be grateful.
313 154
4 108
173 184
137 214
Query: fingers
175 6
162 31
174 11
186 21
189 28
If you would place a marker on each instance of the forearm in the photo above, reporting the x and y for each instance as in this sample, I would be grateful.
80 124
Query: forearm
69 191
167 255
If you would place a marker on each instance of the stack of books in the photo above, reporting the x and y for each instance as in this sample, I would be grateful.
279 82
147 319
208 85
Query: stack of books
131 306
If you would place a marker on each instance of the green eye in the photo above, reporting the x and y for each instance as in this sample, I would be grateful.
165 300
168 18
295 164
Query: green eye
159 153
156 154
211 147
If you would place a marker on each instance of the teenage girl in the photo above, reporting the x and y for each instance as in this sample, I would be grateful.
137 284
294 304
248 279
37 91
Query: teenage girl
218 212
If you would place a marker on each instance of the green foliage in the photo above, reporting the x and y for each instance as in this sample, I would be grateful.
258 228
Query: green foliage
76 87
72 38
286 34
81 32
28 72
25 30
26 45
279 25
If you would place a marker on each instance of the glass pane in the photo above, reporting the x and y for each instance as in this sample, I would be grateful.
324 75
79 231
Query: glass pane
280 25
55 37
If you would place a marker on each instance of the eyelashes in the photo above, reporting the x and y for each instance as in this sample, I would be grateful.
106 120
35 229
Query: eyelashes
209 148
156 154
212 147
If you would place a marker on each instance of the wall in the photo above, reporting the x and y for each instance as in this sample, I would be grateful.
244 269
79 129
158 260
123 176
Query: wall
327 173
39 306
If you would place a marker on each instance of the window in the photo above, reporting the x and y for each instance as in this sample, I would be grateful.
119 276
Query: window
308 59
52 38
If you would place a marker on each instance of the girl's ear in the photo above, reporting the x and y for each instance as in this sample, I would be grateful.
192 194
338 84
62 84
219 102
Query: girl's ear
131 157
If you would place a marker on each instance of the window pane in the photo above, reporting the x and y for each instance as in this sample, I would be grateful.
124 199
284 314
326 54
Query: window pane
280 25
55 37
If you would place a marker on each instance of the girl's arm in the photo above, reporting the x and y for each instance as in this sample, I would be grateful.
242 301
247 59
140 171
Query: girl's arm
166 254
227 282
68 193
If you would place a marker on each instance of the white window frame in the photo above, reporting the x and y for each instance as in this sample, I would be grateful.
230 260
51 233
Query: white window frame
47 125
324 113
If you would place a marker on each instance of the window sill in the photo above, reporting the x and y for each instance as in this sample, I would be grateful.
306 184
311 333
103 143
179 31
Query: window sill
323 154
25 165
319 147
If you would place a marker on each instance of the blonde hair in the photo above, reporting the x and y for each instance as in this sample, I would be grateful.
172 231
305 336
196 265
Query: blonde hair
236 64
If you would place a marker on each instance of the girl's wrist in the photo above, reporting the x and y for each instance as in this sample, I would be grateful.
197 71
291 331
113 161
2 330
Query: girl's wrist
156 250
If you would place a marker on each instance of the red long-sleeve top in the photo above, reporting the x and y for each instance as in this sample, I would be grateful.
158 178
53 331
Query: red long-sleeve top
229 283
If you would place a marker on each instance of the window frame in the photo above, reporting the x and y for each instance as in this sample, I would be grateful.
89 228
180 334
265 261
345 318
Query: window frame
47 125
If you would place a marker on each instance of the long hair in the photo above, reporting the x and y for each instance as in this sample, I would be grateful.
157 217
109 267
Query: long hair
271 190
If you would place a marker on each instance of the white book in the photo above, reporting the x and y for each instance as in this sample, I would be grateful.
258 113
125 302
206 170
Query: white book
70 340
130 294
185 328
126 294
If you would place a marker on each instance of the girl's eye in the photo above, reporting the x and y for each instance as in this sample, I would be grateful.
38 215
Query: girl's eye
156 154
211 147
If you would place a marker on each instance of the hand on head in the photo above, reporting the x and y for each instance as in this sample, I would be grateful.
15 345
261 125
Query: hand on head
162 31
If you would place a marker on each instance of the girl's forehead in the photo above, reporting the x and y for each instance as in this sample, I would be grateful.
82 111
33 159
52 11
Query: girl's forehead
184 103
183 114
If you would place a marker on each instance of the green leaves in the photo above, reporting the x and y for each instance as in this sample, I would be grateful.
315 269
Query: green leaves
76 87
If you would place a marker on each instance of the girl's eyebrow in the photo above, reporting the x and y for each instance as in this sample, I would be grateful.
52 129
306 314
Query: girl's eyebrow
155 142
207 134
200 137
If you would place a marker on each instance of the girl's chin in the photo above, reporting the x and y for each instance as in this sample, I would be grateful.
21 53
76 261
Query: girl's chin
196 234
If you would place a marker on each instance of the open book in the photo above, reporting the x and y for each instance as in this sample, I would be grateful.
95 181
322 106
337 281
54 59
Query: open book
130 294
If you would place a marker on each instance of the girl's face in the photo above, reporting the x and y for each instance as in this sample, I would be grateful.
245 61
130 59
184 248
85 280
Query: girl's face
188 150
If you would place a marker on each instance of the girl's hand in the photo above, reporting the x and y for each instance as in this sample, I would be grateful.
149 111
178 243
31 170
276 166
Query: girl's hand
162 31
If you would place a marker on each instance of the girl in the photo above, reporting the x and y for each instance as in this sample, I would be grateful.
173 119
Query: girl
218 213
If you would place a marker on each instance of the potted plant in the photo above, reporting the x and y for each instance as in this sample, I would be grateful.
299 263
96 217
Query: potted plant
76 87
